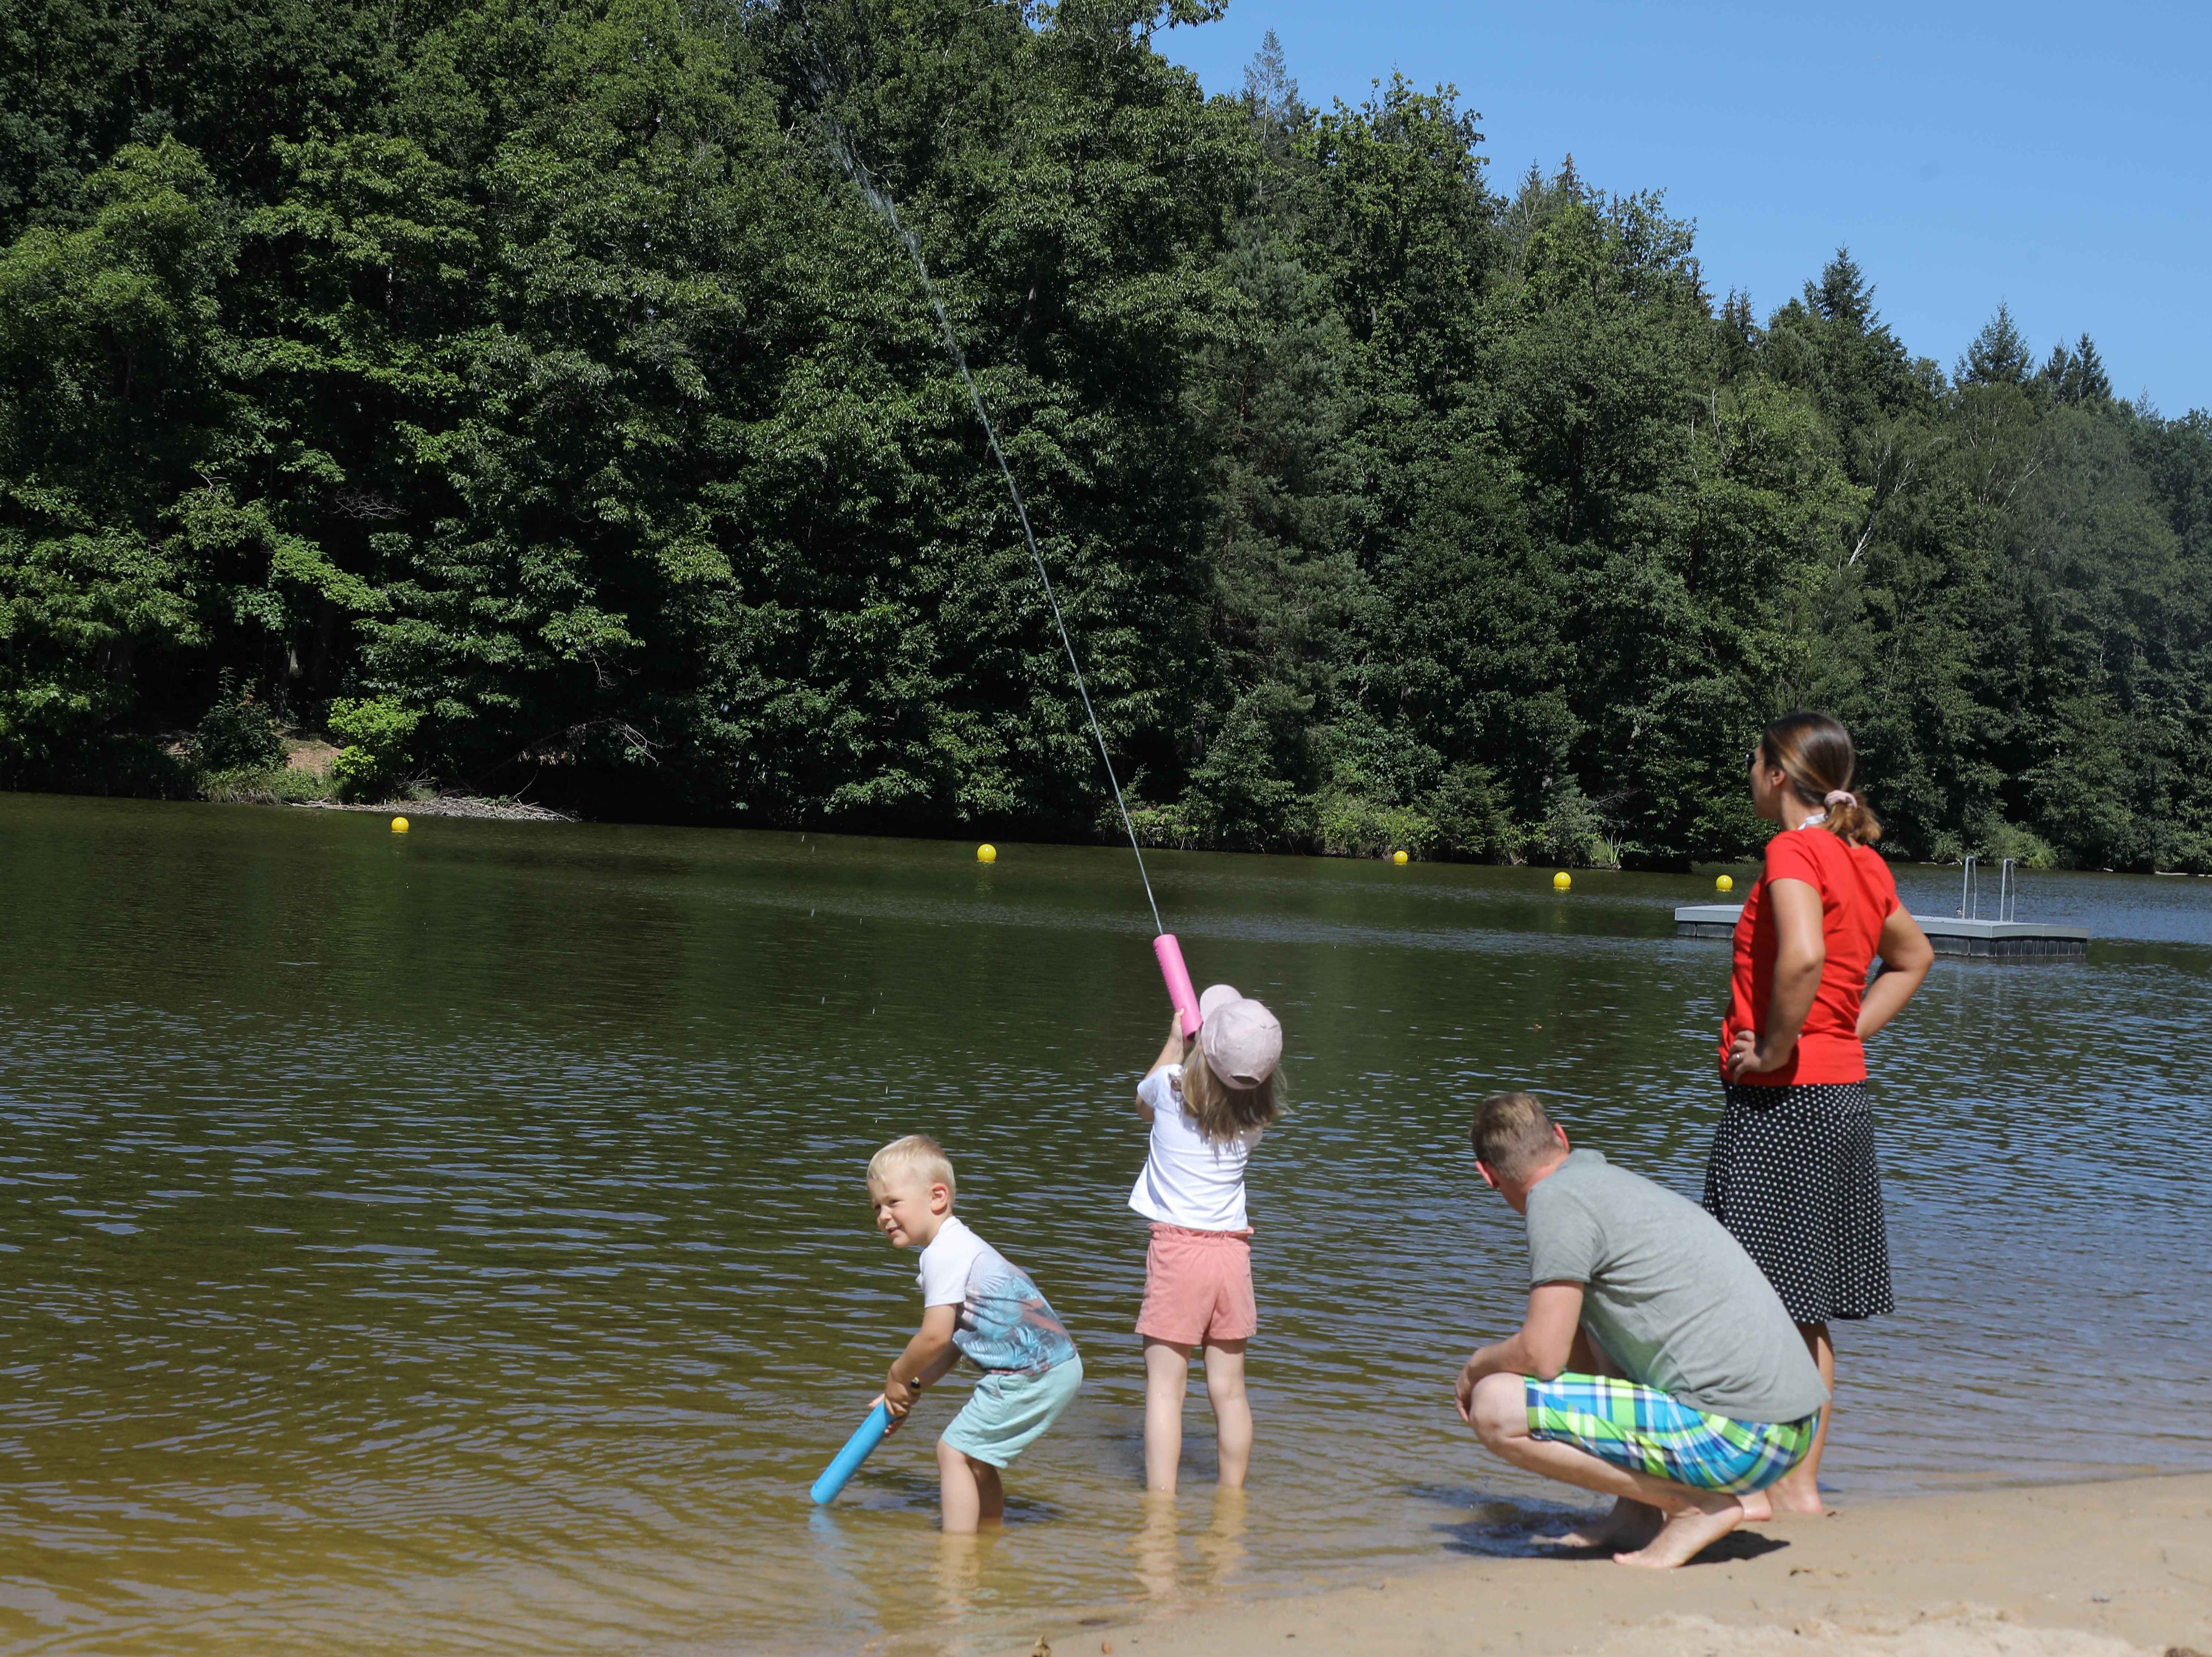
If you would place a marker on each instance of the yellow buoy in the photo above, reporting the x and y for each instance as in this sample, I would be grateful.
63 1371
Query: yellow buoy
1397 857
398 825
1725 884
987 854
1561 881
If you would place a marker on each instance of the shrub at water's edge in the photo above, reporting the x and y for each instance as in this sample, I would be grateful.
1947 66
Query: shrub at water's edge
1346 826
1463 819
277 785
238 734
376 732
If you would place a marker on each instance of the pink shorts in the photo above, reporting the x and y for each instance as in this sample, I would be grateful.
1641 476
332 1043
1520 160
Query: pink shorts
1198 1286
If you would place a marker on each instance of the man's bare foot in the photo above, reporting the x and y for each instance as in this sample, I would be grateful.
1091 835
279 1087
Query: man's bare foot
1757 1508
1794 1495
1684 1536
1630 1525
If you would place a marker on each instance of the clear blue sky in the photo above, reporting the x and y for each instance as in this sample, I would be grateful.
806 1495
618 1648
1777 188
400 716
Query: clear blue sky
2057 158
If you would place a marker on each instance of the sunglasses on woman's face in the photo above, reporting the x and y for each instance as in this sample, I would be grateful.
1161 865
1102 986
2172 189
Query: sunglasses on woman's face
1751 759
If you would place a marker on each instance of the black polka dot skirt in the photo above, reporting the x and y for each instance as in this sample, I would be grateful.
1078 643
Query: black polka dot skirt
1792 1176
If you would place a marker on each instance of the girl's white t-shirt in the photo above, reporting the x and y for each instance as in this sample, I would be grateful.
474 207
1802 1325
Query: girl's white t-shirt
1189 1179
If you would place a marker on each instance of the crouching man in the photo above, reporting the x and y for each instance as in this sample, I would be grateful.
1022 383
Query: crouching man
1657 1364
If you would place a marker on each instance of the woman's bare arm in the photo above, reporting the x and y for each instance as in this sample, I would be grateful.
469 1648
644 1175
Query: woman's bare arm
1799 953
1906 956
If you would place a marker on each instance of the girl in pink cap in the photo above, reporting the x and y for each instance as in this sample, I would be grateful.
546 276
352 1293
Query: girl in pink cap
1207 1112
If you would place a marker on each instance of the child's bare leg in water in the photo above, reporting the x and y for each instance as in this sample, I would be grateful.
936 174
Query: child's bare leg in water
1232 1411
969 1493
1167 1378
1167 1381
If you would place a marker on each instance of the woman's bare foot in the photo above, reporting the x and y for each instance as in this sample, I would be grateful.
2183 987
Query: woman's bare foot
1684 1536
1757 1508
1630 1524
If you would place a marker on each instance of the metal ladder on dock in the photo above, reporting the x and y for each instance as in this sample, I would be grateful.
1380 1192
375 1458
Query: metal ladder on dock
1970 890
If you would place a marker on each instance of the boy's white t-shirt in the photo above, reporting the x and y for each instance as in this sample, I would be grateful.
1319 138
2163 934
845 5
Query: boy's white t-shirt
1004 1323
1189 1180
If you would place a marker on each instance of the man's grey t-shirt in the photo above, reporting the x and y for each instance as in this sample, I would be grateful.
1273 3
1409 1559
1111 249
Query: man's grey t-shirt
1671 1298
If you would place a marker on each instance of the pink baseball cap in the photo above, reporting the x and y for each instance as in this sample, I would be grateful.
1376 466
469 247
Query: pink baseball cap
1242 1041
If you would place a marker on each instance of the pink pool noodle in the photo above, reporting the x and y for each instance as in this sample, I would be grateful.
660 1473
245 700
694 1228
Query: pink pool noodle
1178 977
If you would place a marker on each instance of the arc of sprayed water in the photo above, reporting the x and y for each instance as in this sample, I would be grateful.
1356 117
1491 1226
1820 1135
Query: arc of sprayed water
887 210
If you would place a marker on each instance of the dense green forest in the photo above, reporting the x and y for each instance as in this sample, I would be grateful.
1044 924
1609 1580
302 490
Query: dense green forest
521 394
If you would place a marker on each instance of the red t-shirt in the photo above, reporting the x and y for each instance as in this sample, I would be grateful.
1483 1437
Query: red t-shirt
1856 896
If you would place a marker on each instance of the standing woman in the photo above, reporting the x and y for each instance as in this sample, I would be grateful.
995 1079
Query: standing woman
1792 1173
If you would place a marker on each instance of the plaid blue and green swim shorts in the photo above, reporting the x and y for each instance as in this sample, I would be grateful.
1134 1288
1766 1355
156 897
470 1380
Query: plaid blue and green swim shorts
1647 1431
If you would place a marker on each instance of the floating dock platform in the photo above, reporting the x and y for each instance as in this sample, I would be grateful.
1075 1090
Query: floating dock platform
1707 920
1999 940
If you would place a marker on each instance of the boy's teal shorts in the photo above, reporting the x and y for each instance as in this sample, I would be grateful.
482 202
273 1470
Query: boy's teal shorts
1006 1413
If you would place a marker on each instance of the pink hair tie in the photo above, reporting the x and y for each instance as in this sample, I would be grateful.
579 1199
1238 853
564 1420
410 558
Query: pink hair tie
1837 797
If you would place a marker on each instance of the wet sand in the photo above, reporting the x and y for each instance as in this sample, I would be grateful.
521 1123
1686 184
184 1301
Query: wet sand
2077 1570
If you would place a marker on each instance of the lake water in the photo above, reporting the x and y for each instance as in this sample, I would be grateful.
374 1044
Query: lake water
458 1242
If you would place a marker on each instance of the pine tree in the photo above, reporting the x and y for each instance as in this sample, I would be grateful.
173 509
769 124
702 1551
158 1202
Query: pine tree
1830 342
2087 382
1738 332
1844 294
1272 94
2076 375
1999 355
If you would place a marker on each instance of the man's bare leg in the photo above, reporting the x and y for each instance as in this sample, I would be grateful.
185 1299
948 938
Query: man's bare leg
1695 1519
1685 1536
1630 1524
1798 1491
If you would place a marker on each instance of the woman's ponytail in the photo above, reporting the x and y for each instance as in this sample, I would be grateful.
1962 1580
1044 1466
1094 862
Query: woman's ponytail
1849 821
1815 754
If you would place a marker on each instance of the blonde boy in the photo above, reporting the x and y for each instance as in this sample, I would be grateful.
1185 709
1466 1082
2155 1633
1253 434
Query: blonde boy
974 1301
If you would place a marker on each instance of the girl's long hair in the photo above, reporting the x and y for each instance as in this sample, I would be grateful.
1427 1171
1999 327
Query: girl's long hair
1223 1111
1815 754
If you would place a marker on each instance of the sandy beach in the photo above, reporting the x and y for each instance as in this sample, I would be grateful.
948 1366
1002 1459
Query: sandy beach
2076 1570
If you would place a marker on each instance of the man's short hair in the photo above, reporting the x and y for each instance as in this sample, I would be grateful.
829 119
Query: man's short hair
918 1155
1512 1134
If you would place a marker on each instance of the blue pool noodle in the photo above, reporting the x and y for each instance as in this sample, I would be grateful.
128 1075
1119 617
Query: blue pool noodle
870 1434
